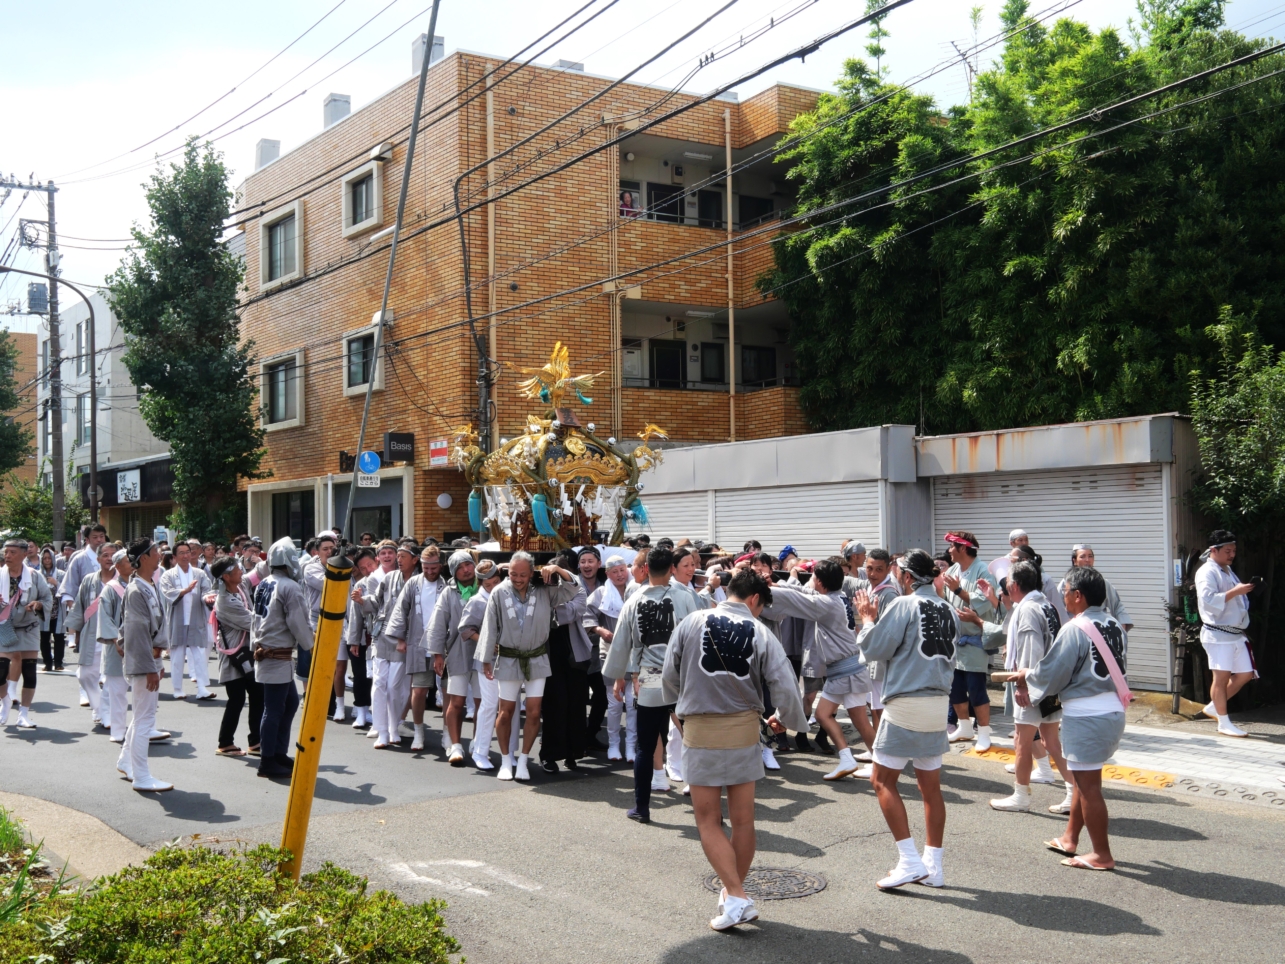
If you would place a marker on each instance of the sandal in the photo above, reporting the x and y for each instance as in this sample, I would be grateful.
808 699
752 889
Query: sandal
1055 846
1081 864
254 750
230 751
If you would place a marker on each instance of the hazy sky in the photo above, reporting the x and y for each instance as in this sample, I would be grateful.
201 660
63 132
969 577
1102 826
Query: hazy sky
84 82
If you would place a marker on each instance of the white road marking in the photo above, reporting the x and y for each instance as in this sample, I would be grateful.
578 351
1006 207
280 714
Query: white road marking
410 872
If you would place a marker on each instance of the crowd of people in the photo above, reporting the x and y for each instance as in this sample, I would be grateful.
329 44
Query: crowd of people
702 664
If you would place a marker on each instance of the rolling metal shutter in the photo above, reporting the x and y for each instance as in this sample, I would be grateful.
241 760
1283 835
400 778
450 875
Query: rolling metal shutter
815 519
677 514
1119 510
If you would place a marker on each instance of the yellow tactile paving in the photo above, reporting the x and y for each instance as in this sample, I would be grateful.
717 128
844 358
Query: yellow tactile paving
1131 775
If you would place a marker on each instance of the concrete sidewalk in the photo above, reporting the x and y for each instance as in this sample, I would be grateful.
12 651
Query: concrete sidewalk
1248 770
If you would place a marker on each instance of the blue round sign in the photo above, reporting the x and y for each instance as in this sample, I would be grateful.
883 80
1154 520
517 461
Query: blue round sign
368 462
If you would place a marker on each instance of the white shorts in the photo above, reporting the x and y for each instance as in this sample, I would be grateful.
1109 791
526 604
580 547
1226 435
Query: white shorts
875 696
458 684
1073 765
849 701
1229 657
899 762
342 655
509 688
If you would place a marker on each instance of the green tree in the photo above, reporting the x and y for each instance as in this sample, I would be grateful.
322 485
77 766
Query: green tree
1238 415
27 508
877 34
176 297
15 440
1078 283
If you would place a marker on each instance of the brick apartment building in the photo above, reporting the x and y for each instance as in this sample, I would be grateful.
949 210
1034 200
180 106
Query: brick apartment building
25 371
661 336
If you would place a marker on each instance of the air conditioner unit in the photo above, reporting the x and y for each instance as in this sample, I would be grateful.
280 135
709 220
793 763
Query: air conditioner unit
720 330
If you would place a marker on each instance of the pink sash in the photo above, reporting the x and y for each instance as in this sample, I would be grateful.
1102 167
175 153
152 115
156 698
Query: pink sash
1086 626
4 613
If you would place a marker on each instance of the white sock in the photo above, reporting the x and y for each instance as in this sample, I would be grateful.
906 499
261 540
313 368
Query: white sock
1223 718
339 704
984 731
524 757
507 759
419 731
658 773
907 849
1043 767
845 757
1022 789
964 726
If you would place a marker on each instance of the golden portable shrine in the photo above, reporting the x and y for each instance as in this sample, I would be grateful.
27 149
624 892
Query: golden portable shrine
557 484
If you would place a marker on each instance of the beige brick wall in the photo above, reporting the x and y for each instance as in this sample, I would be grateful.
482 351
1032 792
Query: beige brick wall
430 379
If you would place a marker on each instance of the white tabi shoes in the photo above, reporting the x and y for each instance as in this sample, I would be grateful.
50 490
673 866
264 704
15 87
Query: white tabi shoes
149 784
936 875
506 770
456 757
1065 805
907 871
1041 772
521 773
846 766
734 911
157 735
483 762
84 700
24 720
769 759
866 772
418 742
1019 801
659 781
963 731
674 773
613 751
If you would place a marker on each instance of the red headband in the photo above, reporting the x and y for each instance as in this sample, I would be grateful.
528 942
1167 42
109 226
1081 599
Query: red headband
960 540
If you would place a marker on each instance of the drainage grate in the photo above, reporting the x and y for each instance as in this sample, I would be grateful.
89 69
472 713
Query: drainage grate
774 883
1258 795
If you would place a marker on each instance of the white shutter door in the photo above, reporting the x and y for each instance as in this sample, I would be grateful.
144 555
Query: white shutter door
677 514
815 519
1119 510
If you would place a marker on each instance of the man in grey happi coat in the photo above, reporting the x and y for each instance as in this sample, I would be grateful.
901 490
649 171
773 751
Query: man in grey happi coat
914 637
142 631
83 621
452 656
408 625
184 589
512 647
1080 675
391 684
716 667
25 603
113 710
280 624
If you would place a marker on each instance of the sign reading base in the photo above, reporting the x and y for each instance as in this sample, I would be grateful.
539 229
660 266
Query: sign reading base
365 481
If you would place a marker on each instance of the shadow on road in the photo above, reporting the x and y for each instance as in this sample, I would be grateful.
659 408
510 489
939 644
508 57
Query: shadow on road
1047 912
1140 828
44 734
766 942
360 796
1204 885
197 807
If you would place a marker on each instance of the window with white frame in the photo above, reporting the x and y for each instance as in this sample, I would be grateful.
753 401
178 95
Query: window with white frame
82 418
281 391
281 246
82 360
359 360
363 199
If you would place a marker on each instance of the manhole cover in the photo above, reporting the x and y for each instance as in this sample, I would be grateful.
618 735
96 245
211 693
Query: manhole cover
771 883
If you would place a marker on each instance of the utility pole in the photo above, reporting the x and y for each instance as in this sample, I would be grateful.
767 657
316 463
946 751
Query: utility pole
54 411
55 377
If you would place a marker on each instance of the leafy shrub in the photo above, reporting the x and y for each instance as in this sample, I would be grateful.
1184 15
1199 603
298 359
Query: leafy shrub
202 906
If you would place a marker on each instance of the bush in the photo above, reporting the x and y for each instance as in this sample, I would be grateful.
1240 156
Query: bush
202 906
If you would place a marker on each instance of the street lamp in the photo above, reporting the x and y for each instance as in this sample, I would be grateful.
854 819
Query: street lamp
93 388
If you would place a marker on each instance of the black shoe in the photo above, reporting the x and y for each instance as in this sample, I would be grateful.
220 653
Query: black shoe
824 744
783 743
549 766
273 769
572 765
282 760
597 741
640 817
803 744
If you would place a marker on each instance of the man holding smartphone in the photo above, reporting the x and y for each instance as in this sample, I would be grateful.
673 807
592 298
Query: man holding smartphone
1223 601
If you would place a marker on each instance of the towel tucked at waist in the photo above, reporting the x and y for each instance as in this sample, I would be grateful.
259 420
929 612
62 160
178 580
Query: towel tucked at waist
524 657
282 654
721 731
919 714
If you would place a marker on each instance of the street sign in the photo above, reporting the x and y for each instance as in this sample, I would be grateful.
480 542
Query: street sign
439 451
368 462
365 481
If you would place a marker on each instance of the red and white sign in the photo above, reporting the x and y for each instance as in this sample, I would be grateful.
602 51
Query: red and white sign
439 451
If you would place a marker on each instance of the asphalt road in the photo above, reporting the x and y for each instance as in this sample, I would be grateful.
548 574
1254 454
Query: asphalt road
553 872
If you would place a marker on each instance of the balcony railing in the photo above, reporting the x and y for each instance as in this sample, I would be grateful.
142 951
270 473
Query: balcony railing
687 385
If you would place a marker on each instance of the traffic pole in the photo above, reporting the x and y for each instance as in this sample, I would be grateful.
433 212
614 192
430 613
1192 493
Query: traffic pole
316 700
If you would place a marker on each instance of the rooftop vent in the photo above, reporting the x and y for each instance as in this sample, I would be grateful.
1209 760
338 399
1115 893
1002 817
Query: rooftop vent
265 152
417 51
335 108
569 65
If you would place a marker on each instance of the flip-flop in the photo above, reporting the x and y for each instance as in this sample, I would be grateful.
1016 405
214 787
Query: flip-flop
1079 863
1057 848
230 751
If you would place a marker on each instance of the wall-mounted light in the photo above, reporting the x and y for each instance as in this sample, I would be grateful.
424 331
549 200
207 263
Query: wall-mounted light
693 156
629 155
444 501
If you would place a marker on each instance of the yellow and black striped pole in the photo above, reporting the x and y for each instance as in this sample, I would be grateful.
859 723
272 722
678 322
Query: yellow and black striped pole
316 700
